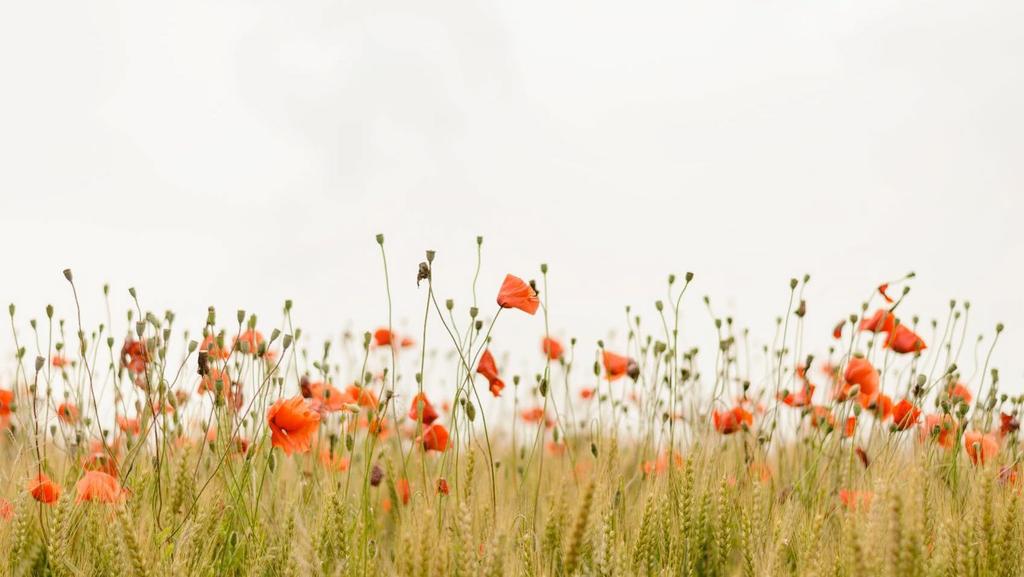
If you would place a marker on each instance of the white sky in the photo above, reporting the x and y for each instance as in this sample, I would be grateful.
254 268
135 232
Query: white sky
240 153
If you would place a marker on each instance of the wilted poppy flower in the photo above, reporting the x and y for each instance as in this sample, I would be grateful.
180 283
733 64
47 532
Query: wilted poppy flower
43 489
516 294
729 422
882 321
292 425
942 428
489 370
856 500
435 438
882 290
404 490
903 340
905 415
98 487
980 447
134 356
837 331
617 366
421 410
128 425
1008 424
215 351
552 348
363 397
860 372
67 413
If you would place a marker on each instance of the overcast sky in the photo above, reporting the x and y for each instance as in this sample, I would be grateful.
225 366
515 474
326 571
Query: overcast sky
240 153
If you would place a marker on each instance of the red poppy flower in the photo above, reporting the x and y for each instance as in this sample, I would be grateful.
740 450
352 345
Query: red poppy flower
729 422
421 410
980 447
99 487
882 290
362 396
1008 424
851 427
252 339
534 416
903 340
801 398
960 392
6 402
442 487
134 356
905 415
67 413
333 461
43 489
100 461
293 424
616 366
882 321
435 438
586 394
942 428
882 406
404 490
59 361
489 370
552 348
130 426
822 417
382 337
860 372
837 331
516 294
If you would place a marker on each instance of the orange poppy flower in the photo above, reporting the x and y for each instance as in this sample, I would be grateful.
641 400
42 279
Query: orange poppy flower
903 340
99 487
555 448
837 331
293 424
382 337
6 510
980 447
552 348
516 294
822 417
59 361
801 398
130 426
535 416
213 350
435 438
43 489
252 340
882 406
882 288
489 370
67 413
942 428
860 372
586 394
404 490
660 465
856 500
851 426
328 397
960 392
100 461
729 422
363 397
421 410
905 415
618 366
882 321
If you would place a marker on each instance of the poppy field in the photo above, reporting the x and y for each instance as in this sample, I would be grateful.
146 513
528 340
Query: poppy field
136 446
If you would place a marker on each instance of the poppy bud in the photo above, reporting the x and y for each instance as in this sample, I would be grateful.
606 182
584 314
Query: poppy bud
10 309
380 239
658 305
671 279
110 341
999 328
40 361
593 449
271 462
67 274
211 316
274 334
543 387
792 283
544 268
470 411
449 304
473 312
286 341
376 475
